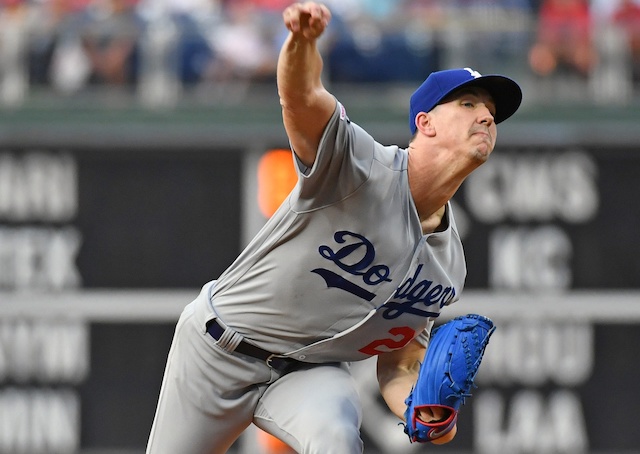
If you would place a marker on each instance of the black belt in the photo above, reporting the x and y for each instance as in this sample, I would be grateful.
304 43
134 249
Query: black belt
276 362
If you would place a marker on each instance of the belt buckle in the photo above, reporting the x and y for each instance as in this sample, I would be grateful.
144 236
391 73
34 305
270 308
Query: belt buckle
270 358
283 366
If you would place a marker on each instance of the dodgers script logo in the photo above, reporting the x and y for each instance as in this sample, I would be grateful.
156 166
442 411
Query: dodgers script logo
421 293
346 259
356 255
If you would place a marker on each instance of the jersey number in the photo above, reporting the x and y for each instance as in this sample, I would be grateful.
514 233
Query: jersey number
401 336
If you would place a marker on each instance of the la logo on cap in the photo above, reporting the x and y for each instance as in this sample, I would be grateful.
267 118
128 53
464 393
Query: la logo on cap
475 74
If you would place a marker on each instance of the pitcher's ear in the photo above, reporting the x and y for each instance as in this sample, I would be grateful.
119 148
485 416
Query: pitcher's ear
424 123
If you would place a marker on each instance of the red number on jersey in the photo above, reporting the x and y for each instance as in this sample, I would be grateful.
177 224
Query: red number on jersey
402 335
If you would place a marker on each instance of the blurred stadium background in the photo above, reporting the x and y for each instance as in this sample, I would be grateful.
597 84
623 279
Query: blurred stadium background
141 147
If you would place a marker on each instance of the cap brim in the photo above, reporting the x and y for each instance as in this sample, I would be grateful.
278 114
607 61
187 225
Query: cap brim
505 92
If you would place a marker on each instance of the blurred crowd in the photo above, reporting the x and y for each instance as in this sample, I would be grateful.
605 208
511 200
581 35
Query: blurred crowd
69 45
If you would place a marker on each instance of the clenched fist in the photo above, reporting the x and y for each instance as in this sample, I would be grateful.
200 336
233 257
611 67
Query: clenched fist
308 19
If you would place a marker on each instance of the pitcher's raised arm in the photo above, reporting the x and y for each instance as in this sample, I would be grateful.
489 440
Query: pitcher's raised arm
306 105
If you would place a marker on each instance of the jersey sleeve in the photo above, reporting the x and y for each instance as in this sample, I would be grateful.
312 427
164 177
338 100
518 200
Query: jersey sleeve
425 335
343 163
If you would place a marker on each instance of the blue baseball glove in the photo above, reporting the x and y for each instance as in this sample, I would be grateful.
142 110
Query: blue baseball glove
446 375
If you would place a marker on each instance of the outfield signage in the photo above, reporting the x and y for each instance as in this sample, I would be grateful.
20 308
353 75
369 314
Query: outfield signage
100 250
552 219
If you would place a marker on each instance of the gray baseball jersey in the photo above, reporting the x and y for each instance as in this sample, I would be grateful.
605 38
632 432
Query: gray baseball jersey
342 271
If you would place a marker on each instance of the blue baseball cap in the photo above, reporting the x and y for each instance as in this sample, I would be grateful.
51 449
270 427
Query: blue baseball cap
505 92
